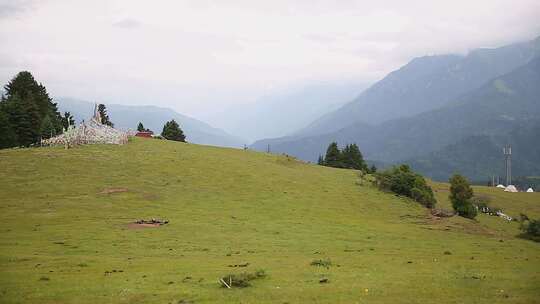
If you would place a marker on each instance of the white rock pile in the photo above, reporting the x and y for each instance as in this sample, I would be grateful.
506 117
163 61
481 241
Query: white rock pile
87 133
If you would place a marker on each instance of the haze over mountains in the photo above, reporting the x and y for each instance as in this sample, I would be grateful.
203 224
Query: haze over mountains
284 111
433 103
153 118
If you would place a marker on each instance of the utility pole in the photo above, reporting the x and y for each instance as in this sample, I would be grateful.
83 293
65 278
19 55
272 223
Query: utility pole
507 151
268 148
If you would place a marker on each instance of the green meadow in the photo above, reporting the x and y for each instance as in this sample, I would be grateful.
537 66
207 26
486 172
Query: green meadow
65 233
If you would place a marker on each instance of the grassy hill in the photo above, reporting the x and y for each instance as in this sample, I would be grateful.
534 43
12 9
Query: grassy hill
65 234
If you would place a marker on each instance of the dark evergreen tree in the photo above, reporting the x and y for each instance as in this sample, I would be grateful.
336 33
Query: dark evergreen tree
320 161
47 128
461 195
352 158
140 127
29 90
8 137
25 120
333 156
372 169
172 131
26 106
102 109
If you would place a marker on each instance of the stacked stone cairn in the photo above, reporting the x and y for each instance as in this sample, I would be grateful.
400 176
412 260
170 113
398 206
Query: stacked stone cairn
87 133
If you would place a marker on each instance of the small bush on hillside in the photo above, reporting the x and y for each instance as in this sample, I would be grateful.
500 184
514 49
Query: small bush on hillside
461 195
241 280
530 227
402 180
533 229
321 263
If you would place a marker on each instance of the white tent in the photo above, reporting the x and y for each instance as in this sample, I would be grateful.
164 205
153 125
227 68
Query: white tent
501 186
510 188
530 190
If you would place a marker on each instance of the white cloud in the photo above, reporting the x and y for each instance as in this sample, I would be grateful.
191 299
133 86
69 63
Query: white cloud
199 56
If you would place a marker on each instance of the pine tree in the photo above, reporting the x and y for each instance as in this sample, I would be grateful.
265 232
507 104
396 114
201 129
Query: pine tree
461 194
320 161
333 156
25 120
140 127
26 105
28 89
353 159
8 137
102 109
357 158
172 131
47 128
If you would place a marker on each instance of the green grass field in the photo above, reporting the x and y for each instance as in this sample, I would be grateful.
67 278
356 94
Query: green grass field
65 236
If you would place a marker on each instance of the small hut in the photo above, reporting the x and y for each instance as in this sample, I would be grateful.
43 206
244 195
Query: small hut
146 134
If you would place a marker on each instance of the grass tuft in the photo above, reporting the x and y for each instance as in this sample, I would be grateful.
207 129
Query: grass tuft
322 263
241 280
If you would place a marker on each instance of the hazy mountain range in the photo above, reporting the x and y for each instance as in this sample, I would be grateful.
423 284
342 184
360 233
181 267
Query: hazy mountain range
284 111
427 110
153 118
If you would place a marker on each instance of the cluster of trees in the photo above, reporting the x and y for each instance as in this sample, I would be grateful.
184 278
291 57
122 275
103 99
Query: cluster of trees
27 113
172 131
140 128
350 157
461 197
402 180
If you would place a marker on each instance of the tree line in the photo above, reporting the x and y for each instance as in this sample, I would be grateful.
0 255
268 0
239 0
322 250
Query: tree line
349 158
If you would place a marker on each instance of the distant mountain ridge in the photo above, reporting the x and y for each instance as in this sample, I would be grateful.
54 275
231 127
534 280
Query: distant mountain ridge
153 118
479 156
424 84
490 111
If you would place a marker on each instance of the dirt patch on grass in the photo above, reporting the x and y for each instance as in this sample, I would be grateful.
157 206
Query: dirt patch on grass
113 190
153 223
456 224
142 226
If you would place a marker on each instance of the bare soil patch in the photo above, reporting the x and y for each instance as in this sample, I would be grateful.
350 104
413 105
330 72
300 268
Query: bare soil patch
142 226
153 223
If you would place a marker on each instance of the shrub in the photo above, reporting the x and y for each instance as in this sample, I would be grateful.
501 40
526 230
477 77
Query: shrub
533 228
461 195
241 280
402 180
530 228
321 263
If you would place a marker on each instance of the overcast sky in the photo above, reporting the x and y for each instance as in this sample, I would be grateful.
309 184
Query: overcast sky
201 56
